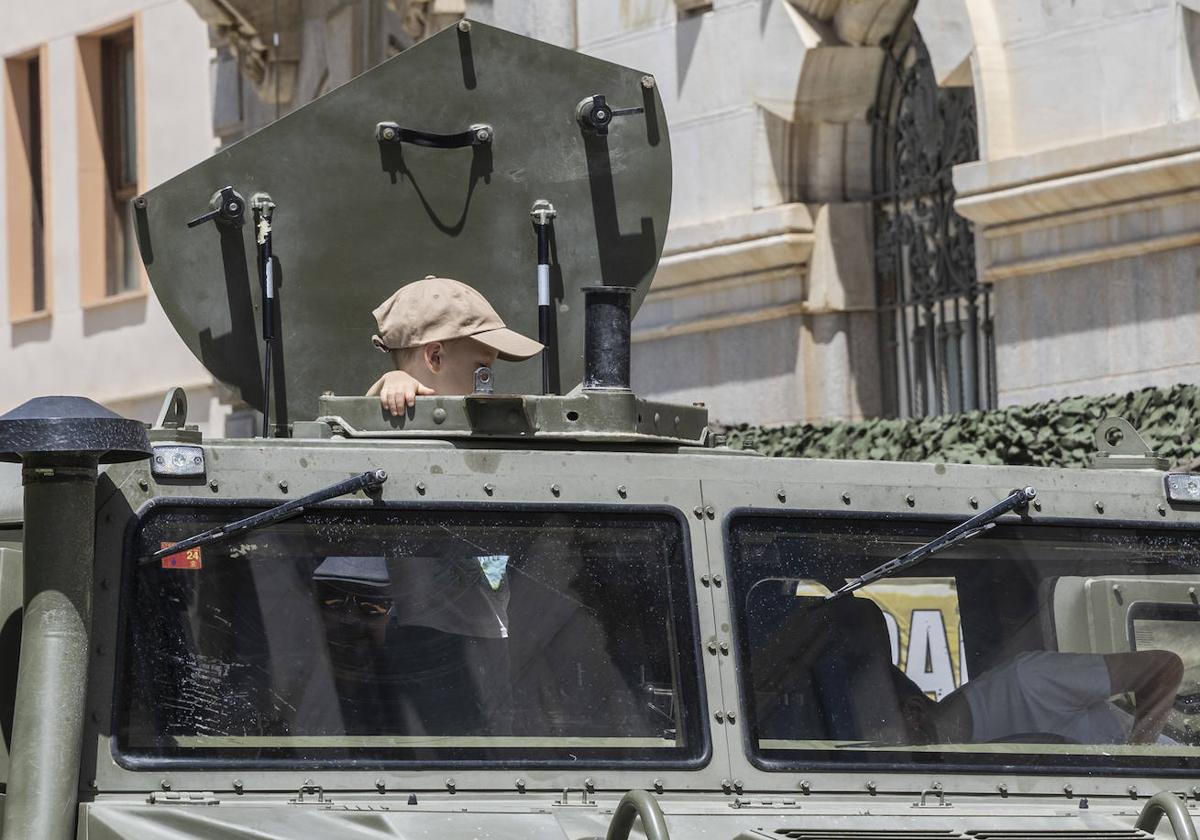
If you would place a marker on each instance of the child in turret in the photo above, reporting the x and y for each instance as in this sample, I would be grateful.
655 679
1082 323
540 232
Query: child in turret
438 331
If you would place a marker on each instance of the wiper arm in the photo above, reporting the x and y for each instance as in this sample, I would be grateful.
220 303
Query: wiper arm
972 527
366 481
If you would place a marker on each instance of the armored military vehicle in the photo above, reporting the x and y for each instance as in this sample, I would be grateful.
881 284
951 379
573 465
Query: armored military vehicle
550 608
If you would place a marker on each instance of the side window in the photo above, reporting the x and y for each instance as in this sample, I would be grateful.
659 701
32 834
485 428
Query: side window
413 635
1031 644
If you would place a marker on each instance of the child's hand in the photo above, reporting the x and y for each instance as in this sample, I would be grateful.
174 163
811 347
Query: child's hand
397 391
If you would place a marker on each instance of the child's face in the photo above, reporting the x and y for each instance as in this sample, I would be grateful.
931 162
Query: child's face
453 367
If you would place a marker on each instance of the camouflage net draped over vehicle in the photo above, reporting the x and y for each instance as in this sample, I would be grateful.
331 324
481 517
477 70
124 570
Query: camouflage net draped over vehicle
1057 433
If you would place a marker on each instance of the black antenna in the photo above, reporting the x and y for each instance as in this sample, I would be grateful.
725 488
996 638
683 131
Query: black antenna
542 214
264 211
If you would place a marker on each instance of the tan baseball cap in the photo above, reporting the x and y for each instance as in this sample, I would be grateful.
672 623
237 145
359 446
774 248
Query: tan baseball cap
441 309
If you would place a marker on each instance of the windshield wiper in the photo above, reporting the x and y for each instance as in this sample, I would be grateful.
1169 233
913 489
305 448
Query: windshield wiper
366 481
972 527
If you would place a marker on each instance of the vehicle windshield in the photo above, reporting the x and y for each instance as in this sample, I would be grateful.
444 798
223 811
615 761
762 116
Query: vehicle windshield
1035 645
411 636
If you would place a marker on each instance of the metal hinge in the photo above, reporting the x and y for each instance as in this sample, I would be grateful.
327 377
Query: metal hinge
184 797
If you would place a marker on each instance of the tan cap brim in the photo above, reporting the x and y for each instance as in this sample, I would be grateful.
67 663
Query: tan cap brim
512 346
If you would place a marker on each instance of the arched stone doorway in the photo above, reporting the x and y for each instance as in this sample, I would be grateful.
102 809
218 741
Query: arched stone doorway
936 349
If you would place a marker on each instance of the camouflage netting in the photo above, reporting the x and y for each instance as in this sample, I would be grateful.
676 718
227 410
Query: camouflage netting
1057 433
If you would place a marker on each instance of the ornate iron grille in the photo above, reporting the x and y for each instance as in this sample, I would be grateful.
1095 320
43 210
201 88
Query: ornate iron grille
935 318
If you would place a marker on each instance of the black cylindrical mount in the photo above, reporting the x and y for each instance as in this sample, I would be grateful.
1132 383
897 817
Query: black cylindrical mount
60 441
606 338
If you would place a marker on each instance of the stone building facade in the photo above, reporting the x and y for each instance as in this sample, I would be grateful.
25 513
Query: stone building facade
880 206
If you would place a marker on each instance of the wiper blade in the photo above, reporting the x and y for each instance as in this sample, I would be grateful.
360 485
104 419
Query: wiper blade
365 481
972 527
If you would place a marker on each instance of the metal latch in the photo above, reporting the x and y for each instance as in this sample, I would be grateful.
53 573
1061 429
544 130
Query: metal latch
938 792
310 789
184 797
584 799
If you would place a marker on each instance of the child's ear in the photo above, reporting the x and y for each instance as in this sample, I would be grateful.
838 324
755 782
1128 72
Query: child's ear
434 356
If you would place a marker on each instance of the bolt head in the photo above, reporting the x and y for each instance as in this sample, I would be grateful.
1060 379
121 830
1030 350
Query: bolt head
648 82
214 485
464 26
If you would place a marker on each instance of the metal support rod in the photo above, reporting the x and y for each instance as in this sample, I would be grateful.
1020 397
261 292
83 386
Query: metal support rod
264 212
43 779
1166 804
542 214
638 803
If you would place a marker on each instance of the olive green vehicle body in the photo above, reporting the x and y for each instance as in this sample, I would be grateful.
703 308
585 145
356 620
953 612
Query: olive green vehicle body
607 454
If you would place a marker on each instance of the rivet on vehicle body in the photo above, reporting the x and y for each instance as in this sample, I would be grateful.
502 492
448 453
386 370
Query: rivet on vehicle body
140 202
846 498
719 716
712 648
973 502
94 784
1037 504
520 785
450 786
710 511
1069 790
421 488
731 716
911 500
871 787
648 84
1099 507
622 491
1162 510
781 496
726 785
464 26
165 784
555 489
143 484
1133 793
805 787
381 785
283 486
698 512
738 786
238 787
725 652
1003 788
489 489
1196 793
214 486
717 581
658 786
589 785
705 580
439 415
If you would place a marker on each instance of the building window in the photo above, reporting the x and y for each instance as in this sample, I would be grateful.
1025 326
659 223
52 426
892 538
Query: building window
938 354
120 158
108 163
26 187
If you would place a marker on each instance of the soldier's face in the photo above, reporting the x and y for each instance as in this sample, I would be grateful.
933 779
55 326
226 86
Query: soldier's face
452 365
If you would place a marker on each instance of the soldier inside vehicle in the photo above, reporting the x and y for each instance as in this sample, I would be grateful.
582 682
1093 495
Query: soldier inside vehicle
1031 639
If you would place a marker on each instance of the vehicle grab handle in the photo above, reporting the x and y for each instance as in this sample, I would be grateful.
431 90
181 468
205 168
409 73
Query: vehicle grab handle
1163 803
639 803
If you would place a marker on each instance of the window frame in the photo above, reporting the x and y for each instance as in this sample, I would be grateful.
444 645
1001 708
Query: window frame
1047 764
104 204
27 179
701 752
